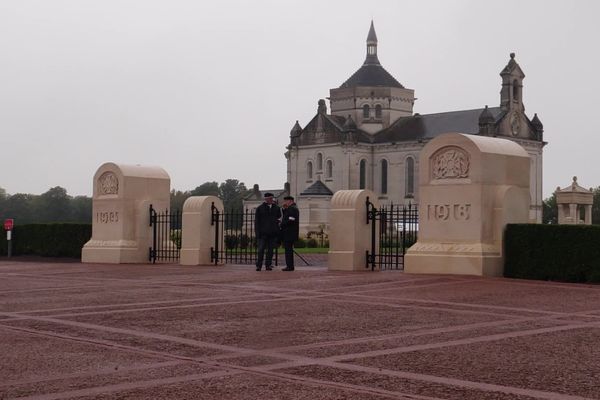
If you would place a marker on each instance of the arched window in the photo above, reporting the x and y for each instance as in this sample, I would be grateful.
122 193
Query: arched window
363 175
309 171
410 176
329 172
366 111
515 90
319 162
378 111
384 170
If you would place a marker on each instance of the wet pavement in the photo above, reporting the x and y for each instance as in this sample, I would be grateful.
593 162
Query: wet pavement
94 331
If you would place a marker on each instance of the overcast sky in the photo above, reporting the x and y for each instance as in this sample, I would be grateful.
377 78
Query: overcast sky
210 90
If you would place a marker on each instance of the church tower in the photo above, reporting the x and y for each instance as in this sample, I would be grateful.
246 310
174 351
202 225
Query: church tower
372 96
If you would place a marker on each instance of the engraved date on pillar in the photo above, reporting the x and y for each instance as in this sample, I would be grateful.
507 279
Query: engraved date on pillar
107 217
447 212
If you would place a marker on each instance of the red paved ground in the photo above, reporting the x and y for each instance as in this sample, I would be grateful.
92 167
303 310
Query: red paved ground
73 331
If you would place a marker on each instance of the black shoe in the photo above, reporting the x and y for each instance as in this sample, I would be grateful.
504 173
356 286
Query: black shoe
258 268
269 268
287 269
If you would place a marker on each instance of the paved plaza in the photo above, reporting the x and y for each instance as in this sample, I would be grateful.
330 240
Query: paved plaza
76 331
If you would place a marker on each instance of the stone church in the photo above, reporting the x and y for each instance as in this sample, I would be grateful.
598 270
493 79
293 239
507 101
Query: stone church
371 138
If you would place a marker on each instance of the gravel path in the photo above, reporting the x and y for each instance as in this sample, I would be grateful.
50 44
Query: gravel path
96 331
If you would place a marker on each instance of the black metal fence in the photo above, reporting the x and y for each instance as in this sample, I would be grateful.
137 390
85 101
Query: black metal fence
394 229
166 235
235 241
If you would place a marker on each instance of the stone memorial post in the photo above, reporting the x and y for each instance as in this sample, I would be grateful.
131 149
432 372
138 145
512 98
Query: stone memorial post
470 188
121 231
198 232
349 233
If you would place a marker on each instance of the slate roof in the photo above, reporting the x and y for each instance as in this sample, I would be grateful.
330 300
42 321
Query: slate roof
317 189
431 125
371 75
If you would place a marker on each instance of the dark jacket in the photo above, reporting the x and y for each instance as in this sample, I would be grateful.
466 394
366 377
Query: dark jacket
290 223
266 220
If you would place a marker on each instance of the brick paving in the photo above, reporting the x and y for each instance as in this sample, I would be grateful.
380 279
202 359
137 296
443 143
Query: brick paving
75 331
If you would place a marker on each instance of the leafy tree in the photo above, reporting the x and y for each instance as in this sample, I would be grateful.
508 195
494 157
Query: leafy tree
232 193
19 207
207 189
550 210
81 209
178 198
53 205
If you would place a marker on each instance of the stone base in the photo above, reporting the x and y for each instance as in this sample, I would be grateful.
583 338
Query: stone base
113 252
196 257
346 261
455 259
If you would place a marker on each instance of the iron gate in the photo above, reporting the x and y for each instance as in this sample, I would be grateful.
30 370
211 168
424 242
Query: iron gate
394 229
235 241
166 235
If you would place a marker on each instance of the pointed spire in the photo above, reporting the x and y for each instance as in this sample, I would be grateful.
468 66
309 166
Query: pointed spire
537 124
512 66
372 37
372 46
296 130
486 117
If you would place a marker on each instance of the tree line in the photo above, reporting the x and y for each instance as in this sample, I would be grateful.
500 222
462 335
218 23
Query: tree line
56 205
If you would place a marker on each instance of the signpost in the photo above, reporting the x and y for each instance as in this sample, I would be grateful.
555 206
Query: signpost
8 227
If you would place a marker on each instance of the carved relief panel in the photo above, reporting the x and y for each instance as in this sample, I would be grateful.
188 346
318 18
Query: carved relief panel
450 162
108 183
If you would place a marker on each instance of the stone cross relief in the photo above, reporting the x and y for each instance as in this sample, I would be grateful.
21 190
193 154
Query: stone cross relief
108 183
450 163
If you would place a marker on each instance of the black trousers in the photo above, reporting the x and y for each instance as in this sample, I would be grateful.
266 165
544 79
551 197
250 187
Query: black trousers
266 243
288 245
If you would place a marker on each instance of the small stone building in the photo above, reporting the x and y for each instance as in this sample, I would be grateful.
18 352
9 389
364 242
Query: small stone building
574 204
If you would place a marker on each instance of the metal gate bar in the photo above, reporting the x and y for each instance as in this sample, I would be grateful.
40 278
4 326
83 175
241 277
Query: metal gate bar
166 235
398 229
235 240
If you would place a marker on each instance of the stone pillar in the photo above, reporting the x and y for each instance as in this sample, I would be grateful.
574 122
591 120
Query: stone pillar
470 187
588 214
573 214
198 231
121 231
349 233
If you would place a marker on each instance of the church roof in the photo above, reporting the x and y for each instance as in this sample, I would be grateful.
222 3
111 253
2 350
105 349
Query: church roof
431 125
317 189
371 75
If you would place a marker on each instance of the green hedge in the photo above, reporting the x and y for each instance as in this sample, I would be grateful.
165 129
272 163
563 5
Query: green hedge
567 253
48 240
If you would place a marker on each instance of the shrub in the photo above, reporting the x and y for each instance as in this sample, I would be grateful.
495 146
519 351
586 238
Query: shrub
312 242
300 243
568 253
231 241
48 240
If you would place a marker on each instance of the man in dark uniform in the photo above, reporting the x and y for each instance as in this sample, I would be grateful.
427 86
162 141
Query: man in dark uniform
266 226
290 226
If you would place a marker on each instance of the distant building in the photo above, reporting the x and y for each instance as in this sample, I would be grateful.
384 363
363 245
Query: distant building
371 139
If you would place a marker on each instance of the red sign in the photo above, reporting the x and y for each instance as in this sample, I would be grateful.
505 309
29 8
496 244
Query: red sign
8 224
